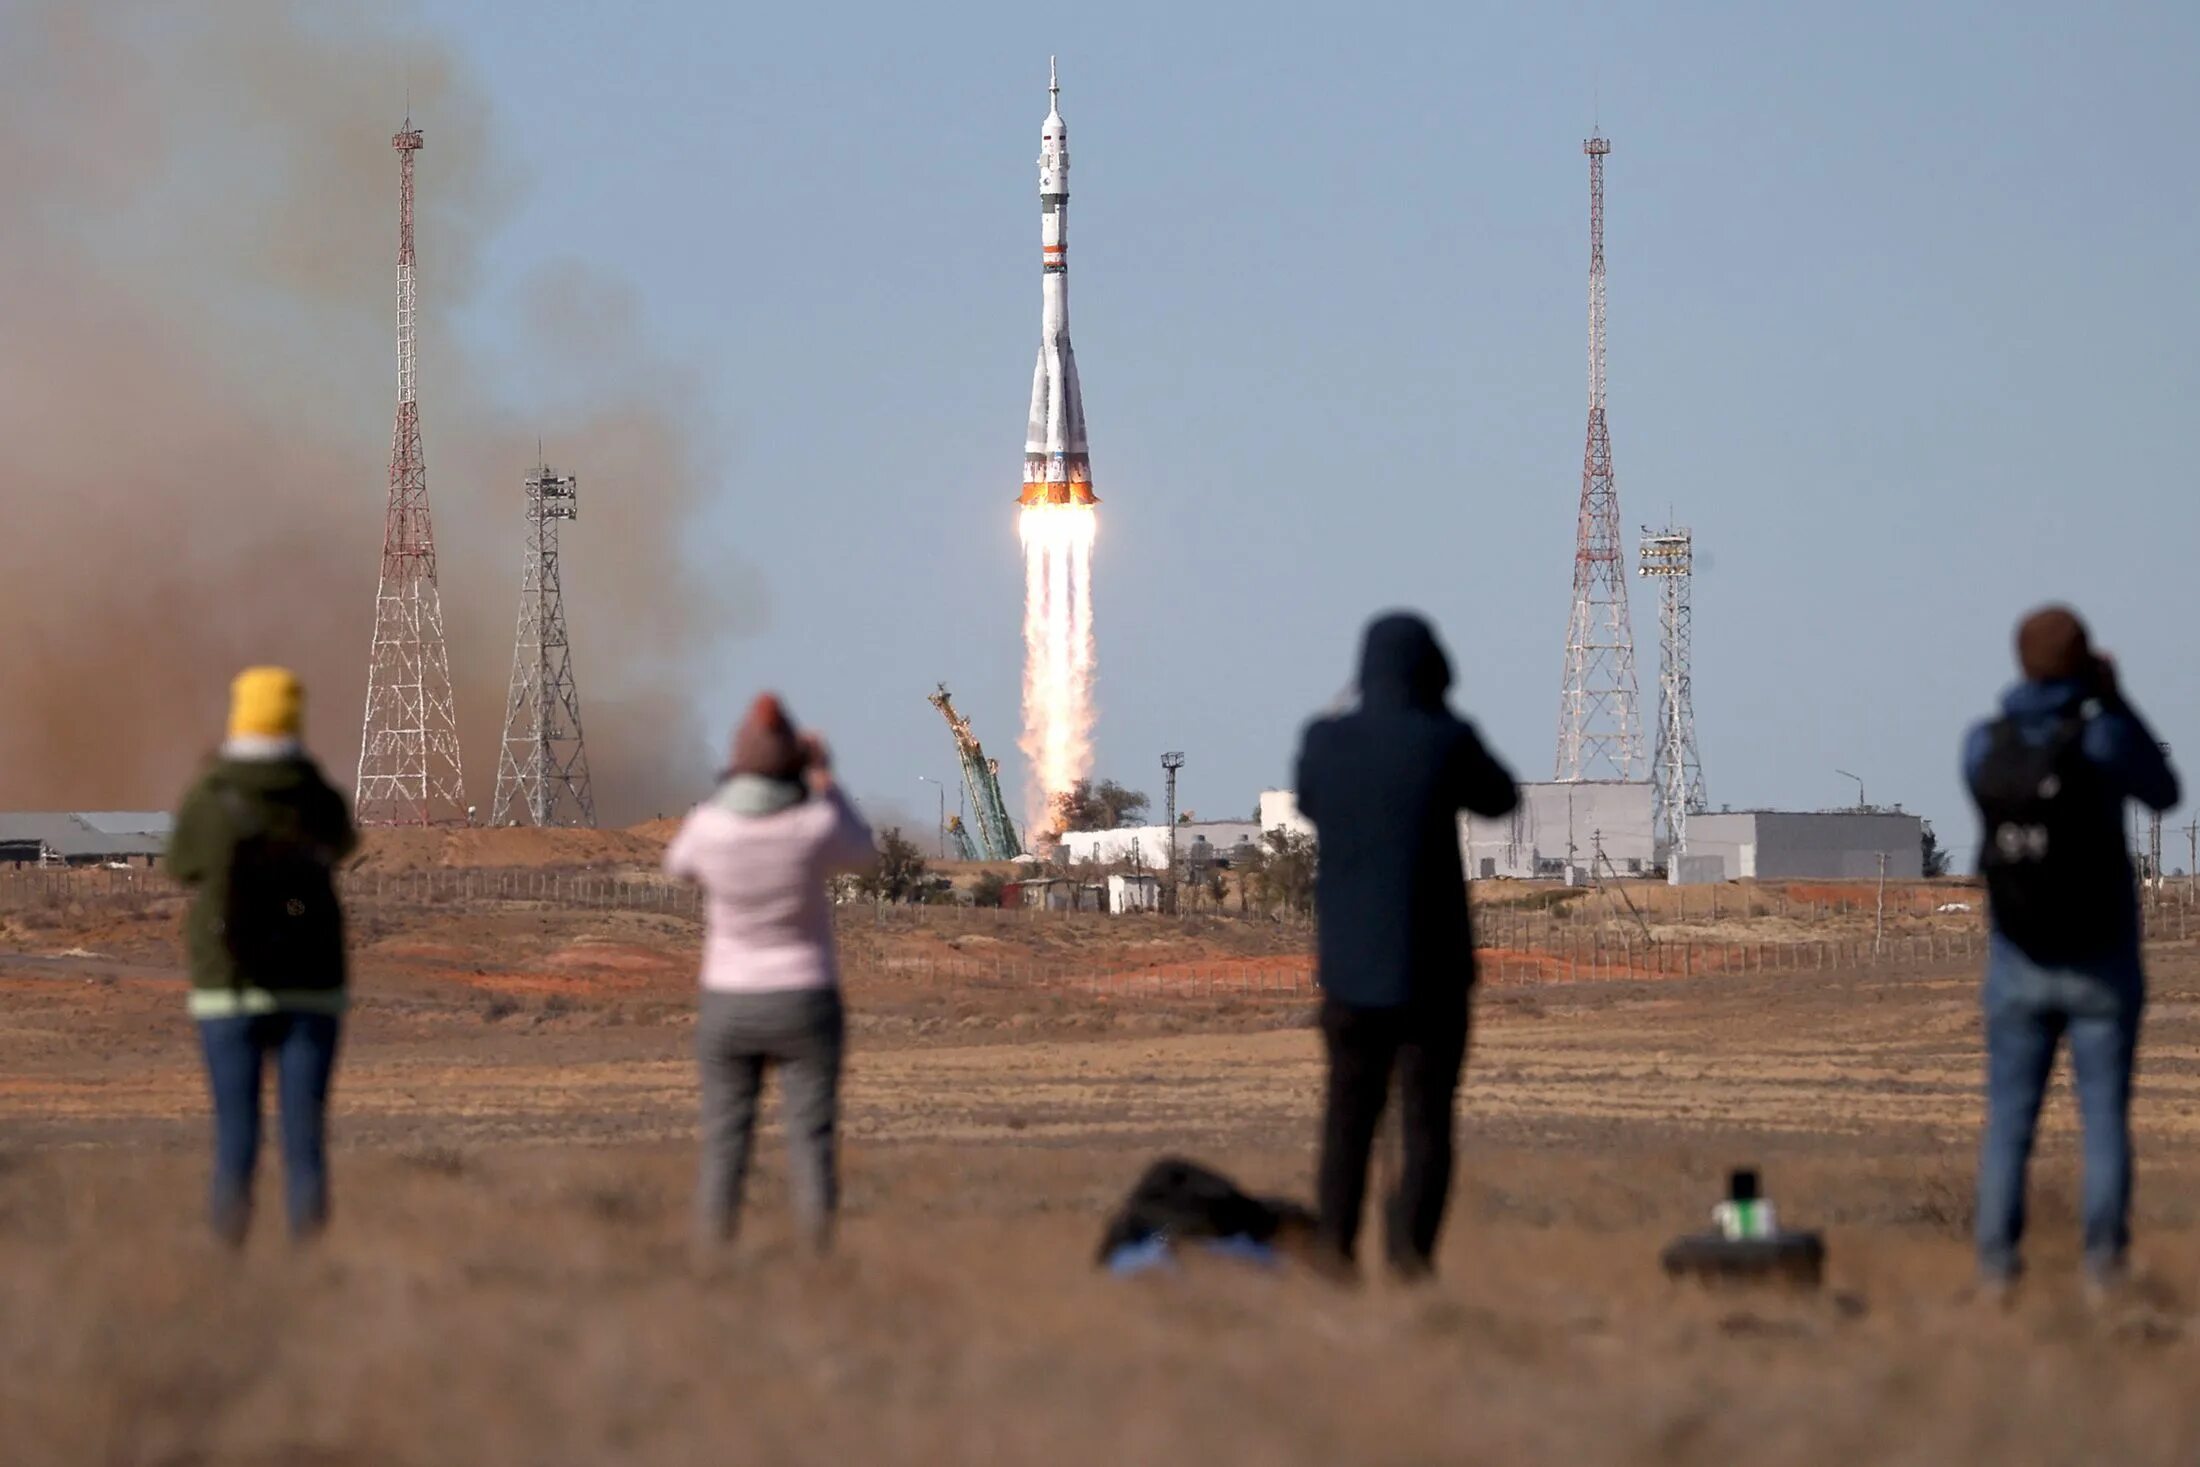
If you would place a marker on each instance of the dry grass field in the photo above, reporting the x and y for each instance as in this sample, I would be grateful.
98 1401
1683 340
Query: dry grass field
508 1278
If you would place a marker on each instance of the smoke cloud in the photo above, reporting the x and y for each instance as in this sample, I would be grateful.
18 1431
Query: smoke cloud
196 386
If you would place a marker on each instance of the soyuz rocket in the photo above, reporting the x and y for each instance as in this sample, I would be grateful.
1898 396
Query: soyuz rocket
1057 467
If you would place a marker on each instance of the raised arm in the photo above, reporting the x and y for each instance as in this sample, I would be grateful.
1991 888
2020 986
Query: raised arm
1479 783
846 843
2119 741
1310 788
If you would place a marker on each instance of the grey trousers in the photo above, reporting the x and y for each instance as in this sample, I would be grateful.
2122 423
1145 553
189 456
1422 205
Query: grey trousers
738 1036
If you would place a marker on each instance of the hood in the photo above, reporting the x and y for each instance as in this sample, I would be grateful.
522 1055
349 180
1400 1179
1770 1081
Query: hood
2054 698
1402 664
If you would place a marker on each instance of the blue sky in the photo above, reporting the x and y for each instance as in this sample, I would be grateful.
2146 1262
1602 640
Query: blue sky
1901 324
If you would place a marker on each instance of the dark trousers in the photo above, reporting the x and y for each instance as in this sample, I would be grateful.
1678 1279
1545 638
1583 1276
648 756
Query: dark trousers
737 1037
303 1047
1423 1047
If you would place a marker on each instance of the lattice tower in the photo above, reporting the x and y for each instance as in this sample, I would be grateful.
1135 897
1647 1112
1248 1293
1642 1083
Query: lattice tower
1676 771
1599 730
542 775
409 768
997 838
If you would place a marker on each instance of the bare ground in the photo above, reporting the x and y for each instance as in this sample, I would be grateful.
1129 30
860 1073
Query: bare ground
508 1280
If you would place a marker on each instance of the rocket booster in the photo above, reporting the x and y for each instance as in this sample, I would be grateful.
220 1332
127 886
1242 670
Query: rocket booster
1057 467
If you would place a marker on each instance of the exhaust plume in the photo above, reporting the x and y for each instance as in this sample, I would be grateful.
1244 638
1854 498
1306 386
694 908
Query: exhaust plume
196 384
1058 654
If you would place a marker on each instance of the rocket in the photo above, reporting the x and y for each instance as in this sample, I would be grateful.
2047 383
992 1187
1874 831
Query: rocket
1057 468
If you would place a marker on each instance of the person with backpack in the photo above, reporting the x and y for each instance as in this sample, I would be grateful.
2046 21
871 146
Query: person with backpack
257 838
763 848
2050 777
1384 785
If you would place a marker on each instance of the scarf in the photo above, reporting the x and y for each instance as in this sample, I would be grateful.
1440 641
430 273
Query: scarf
754 794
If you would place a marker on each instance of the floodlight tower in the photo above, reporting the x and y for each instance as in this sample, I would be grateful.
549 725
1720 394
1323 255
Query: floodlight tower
1599 732
1676 772
408 745
1171 762
542 775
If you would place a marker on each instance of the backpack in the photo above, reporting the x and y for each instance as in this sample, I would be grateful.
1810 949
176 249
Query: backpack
281 904
2057 879
1182 1199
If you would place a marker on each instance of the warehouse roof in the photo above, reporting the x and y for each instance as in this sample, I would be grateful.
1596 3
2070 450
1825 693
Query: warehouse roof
89 835
1834 810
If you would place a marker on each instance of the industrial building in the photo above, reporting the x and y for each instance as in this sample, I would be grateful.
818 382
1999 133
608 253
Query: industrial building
83 838
1774 845
1146 847
1586 827
1136 893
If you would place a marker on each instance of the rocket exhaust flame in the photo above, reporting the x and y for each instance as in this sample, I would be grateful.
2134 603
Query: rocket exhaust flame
1059 655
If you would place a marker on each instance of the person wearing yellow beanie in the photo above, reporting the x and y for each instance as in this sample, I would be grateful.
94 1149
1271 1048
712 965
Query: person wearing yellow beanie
266 703
257 839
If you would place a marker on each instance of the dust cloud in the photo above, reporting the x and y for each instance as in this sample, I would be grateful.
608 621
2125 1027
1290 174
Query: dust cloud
196 386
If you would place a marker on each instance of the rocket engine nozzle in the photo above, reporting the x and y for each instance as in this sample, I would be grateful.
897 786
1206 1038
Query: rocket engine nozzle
1056 491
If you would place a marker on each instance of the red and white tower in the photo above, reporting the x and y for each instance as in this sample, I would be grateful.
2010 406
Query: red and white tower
408 749
1599 731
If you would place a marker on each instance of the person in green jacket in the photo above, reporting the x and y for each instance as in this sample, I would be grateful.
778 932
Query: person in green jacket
257 839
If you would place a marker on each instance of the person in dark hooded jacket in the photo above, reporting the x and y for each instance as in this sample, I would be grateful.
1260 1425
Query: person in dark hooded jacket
2051 777
1384 785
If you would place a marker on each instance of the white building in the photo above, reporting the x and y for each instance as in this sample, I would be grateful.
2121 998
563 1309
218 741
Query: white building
1827 845
1146 847
1556 827
1137 893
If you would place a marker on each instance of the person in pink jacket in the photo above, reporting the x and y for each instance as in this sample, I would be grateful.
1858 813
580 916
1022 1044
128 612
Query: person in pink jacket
763 847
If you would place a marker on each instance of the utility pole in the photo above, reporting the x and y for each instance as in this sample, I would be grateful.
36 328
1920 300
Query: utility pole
1879 914
1171 762
2154 840
942 826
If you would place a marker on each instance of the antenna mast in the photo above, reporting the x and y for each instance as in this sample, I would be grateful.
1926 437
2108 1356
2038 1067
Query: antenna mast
409 772
1599 732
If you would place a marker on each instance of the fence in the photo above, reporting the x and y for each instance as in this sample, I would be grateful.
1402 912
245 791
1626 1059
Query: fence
94 887
1293 974
1516 944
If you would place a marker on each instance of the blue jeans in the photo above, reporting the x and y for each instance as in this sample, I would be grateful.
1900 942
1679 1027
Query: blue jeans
304 1049
2029 1008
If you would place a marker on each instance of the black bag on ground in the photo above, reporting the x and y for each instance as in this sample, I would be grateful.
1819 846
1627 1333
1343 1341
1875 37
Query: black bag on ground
281 900
1182 1199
